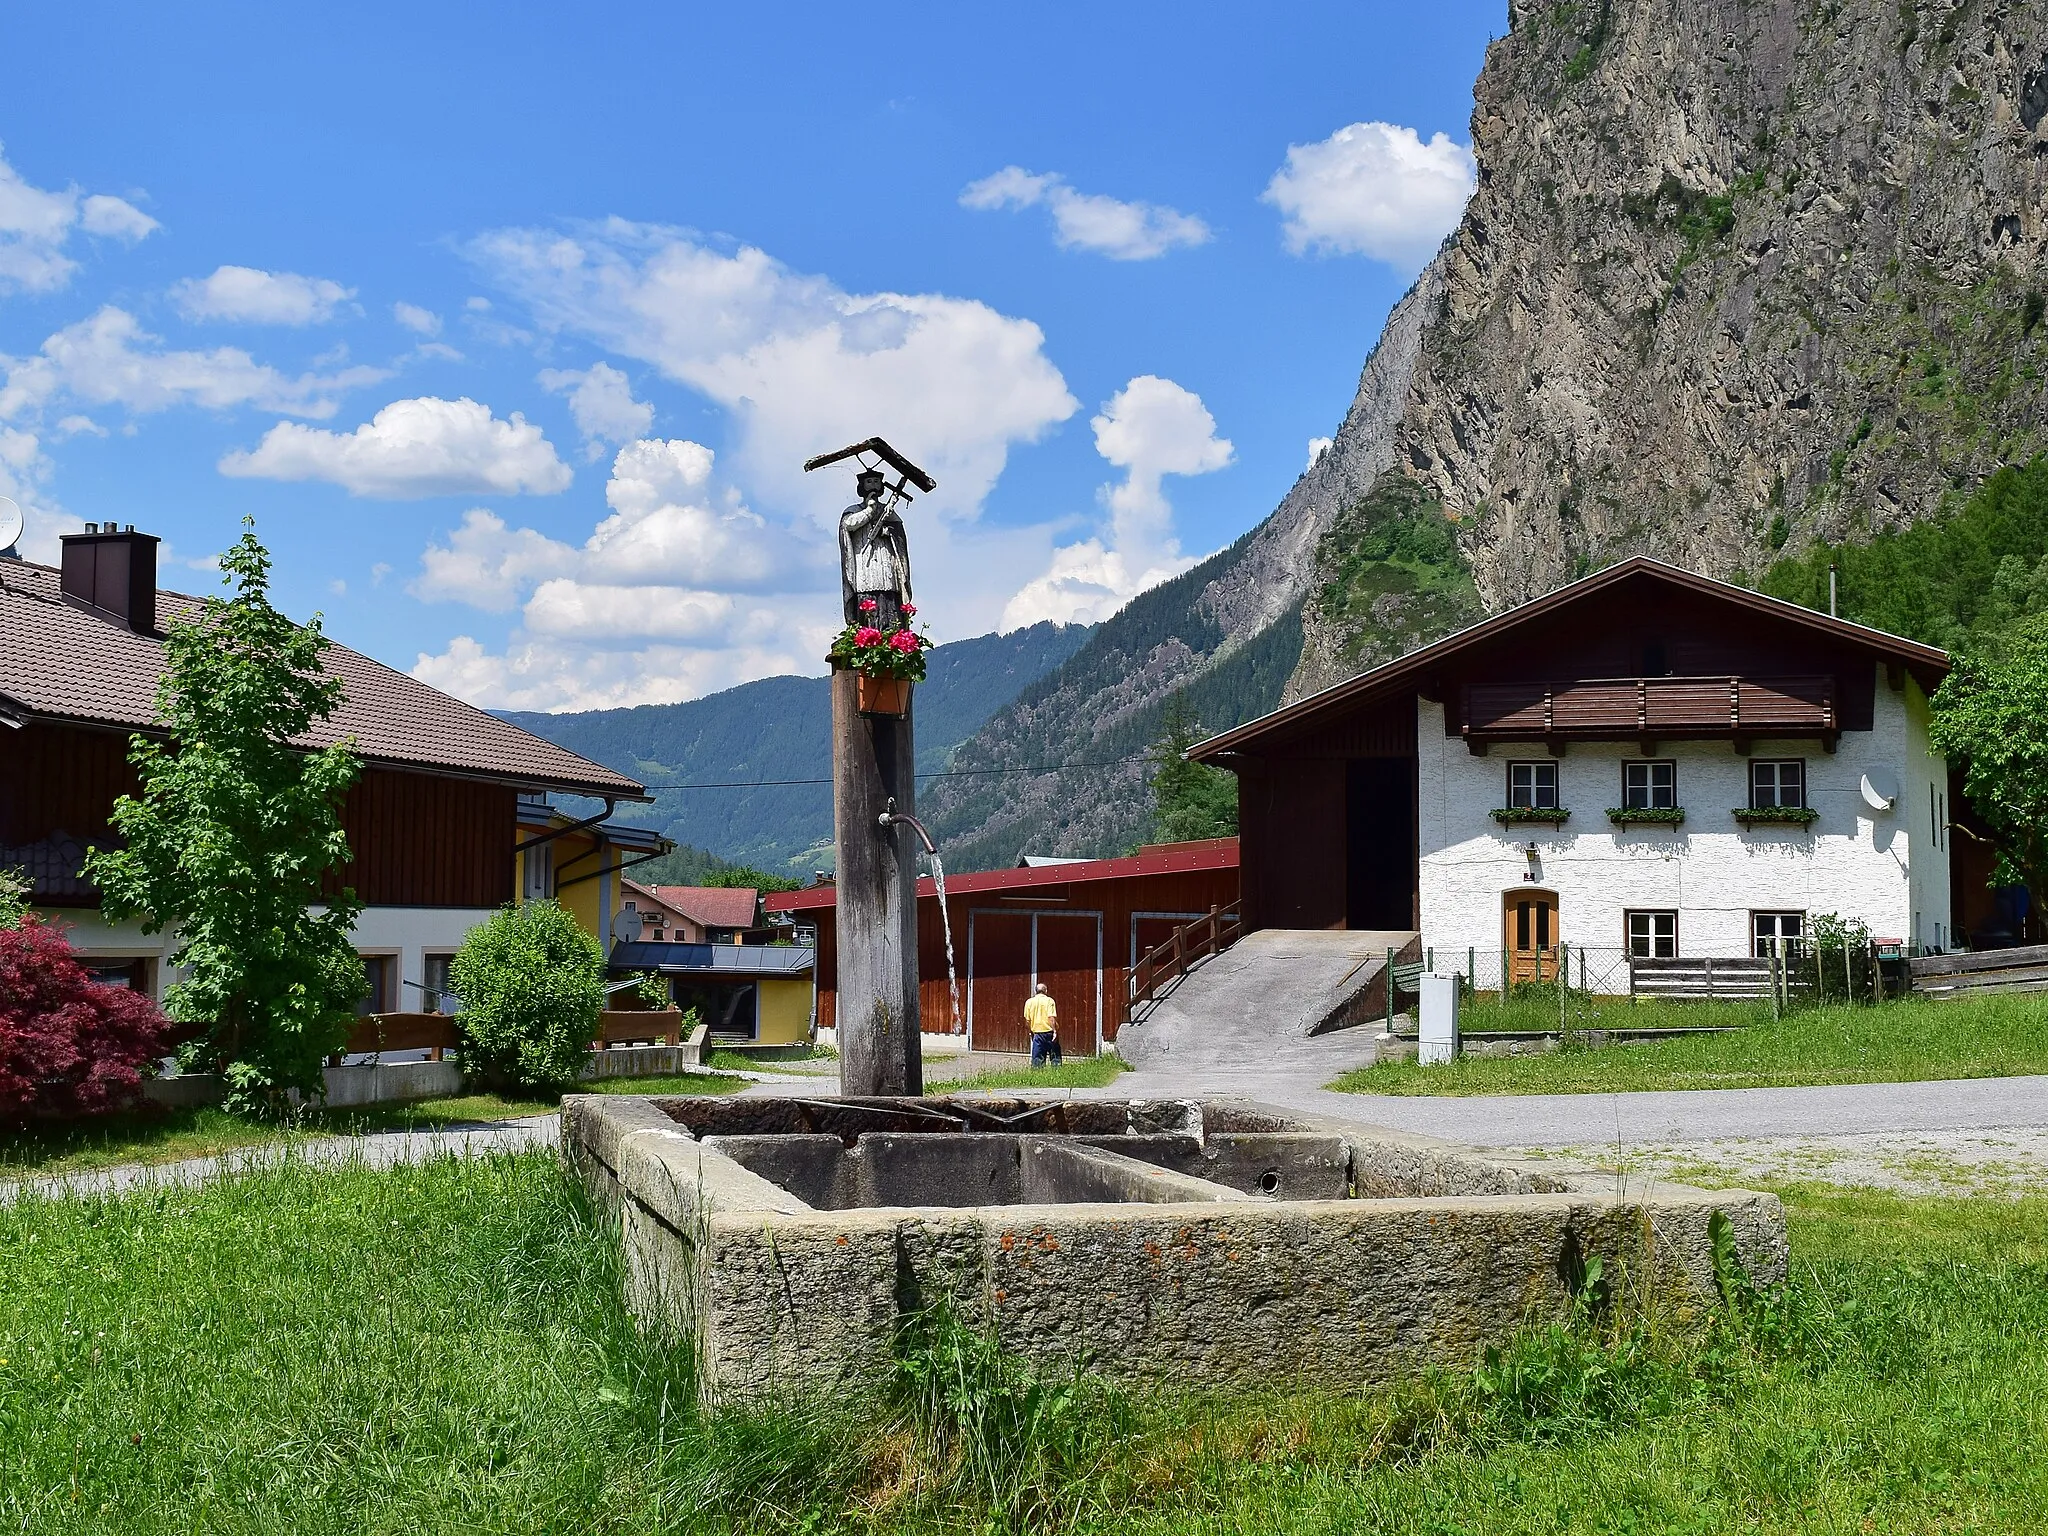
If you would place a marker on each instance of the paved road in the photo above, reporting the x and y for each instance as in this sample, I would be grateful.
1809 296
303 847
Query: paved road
380 1149
1295 1077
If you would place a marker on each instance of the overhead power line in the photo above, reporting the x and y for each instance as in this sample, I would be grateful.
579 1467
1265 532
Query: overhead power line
941 773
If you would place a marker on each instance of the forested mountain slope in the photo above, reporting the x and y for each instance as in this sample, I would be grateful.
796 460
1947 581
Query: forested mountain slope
779 728
1227 632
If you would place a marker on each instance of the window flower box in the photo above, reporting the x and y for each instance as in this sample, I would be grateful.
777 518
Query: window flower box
1776 815
1531 815
1646 816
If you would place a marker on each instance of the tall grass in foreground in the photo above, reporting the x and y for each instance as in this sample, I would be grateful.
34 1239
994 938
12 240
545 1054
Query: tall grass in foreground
441 1348
1901 1041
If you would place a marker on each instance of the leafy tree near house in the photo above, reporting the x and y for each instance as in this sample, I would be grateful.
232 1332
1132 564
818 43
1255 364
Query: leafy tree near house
532 985
14 890
1992 713
1190 800
232 836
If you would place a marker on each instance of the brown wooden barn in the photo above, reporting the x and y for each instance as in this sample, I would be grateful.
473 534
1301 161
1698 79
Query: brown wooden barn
1075 926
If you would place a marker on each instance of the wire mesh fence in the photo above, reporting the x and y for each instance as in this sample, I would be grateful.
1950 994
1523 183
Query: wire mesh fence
1566 985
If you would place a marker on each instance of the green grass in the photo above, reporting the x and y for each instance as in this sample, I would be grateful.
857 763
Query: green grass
1534 1007
667 1087
1080 1072
156 1135
1905 1041
441 1348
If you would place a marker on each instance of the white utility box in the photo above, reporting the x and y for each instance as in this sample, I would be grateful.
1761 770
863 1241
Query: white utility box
1437 1038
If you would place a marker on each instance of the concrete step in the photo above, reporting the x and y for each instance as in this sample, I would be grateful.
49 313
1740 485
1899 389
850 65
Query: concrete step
1272 987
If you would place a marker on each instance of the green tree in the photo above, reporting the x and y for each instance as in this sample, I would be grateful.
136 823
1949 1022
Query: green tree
532 985
236 828
1190 800
1991 713
14 890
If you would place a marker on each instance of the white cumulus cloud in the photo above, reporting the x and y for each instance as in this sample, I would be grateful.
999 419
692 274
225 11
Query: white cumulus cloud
37 224
108 359
800 363
1373 189
682 588
1150 428
601 401
1317 447
1089 221
416 318
411 448
255 297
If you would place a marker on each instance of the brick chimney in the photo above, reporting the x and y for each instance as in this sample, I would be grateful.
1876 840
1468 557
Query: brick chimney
112 572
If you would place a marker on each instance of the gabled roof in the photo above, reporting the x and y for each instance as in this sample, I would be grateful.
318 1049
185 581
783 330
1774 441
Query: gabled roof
1929 662
1153 859
710 906
62 663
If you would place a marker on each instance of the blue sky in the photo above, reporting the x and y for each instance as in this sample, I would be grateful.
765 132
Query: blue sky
511 327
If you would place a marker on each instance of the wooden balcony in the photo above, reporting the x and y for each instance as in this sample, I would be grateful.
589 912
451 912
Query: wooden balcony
1651 709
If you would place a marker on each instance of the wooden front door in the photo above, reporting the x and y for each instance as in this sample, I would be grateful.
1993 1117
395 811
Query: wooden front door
1529 936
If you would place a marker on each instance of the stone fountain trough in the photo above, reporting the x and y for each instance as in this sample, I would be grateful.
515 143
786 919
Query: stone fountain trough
1213 1243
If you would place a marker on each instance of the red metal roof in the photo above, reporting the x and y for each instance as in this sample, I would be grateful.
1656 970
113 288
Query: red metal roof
710 906
1157 859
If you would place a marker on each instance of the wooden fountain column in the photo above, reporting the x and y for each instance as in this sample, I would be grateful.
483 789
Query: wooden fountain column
872 761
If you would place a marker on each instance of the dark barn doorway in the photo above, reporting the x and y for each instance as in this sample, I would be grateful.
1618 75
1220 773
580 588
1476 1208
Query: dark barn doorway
1379 852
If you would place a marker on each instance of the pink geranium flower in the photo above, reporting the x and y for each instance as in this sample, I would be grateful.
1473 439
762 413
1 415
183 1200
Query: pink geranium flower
867 634
910 607
867 605
903 640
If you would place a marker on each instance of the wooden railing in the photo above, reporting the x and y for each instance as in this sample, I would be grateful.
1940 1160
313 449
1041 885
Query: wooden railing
1169 960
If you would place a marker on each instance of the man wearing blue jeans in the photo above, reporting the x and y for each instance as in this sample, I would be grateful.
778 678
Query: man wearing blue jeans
1042 1017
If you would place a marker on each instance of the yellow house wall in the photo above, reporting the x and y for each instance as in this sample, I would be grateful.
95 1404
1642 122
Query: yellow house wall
573 857
785 1012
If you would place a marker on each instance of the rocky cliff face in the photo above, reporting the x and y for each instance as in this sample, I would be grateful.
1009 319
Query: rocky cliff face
1737 274
1226 632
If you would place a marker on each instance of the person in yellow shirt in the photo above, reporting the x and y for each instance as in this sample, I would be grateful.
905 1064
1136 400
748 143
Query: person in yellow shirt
1042 1017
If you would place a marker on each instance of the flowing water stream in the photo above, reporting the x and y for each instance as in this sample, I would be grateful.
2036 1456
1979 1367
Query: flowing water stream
946 921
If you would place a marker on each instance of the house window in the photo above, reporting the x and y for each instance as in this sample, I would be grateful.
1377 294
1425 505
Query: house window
1767 928
540 872
437 998
1532 925
1653 935
1532 784
378 971
1649 786
1772 784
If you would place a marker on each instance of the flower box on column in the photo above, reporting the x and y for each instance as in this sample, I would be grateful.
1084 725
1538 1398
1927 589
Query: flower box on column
888 696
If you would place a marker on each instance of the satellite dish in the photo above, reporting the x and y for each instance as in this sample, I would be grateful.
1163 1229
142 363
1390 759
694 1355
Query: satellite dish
626 926
1880 789
10 529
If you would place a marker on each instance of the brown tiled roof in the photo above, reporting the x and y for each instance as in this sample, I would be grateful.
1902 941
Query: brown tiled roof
710 906
61 662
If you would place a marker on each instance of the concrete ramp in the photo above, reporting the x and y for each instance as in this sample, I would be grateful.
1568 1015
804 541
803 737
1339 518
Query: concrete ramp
1270 989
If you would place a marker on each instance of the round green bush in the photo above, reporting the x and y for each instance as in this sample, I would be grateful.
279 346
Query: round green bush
531 983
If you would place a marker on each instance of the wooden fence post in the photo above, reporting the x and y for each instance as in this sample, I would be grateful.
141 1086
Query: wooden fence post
1564 985
1390 991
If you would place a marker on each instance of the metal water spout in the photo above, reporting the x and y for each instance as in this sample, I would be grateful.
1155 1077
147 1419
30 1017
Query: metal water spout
888 819
891 816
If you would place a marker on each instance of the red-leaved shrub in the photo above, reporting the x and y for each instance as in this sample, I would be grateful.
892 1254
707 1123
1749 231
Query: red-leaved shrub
69 1045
